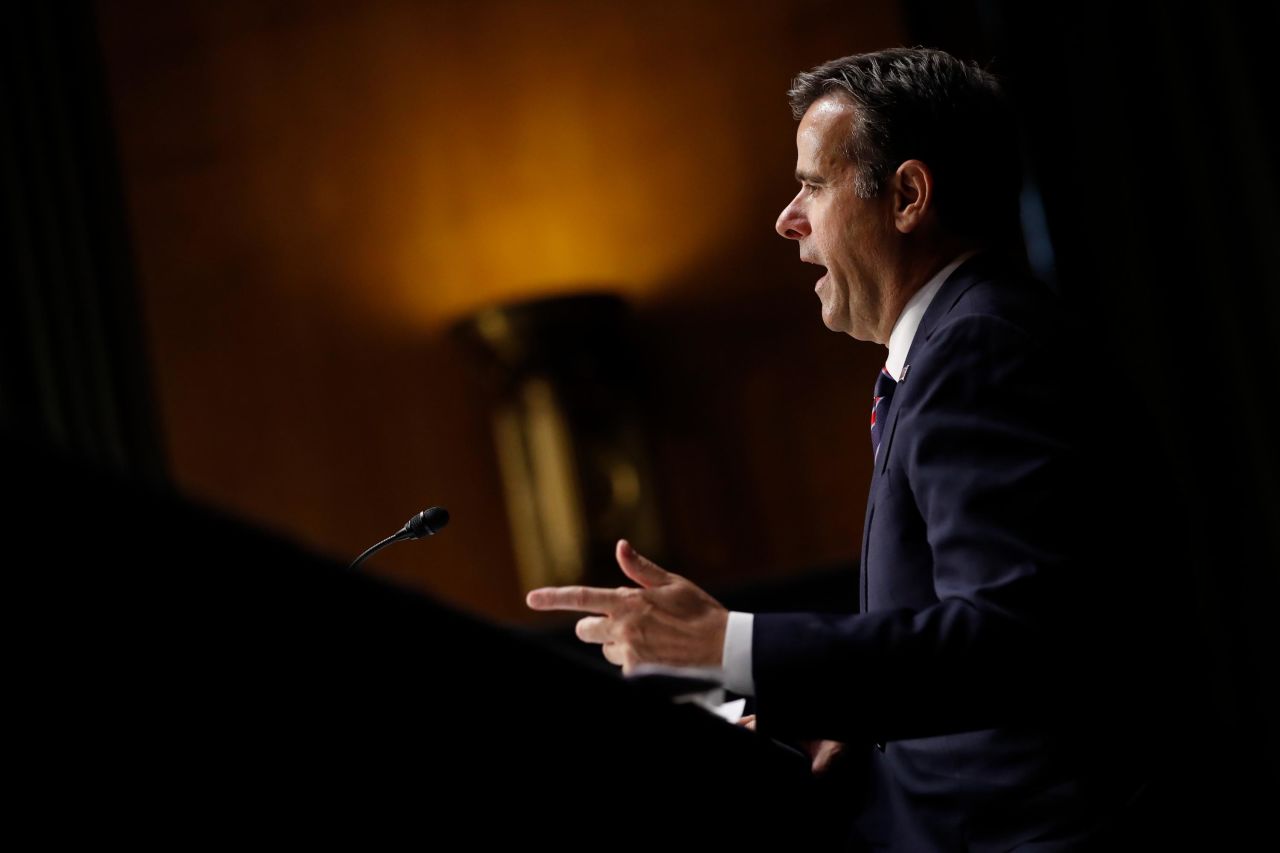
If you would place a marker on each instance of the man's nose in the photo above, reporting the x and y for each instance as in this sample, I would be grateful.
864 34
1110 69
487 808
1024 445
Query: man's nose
792 223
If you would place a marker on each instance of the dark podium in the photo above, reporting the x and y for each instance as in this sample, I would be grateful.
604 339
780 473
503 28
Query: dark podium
180 676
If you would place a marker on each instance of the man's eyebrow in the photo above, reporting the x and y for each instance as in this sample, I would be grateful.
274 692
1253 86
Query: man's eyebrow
809 178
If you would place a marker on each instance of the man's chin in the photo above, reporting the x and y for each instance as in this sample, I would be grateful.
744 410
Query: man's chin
835 322
842 324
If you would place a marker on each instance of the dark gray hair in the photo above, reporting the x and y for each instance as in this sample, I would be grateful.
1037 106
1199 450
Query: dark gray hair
924 104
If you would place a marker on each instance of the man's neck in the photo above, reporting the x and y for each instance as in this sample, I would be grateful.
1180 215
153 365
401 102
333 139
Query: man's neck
908 322
916 268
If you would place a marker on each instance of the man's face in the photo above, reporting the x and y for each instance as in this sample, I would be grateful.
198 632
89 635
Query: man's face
836 229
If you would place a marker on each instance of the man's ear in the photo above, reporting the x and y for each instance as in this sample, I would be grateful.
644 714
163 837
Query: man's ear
912 195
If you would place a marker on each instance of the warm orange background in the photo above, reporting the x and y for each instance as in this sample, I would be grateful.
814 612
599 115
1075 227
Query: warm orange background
318 189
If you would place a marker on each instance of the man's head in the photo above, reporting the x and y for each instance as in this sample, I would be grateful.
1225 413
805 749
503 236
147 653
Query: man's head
905 158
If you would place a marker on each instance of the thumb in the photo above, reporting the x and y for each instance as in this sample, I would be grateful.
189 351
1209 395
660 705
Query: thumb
640 569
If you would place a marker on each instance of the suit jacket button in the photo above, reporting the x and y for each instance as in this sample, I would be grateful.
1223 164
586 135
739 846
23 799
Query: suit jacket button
880 745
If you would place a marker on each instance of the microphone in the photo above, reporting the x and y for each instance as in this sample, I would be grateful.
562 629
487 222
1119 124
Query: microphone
426 523
429 522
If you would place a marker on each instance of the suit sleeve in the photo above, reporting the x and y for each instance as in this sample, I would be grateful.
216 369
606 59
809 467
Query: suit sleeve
985 448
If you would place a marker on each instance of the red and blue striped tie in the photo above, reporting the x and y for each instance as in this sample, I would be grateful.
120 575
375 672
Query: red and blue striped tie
882 397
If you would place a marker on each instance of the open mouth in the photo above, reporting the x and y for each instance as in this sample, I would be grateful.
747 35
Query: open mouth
818 283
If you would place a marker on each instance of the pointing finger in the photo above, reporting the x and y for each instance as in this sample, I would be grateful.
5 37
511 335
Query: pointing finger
587 599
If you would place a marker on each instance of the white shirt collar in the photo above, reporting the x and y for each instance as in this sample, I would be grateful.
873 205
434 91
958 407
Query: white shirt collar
904 330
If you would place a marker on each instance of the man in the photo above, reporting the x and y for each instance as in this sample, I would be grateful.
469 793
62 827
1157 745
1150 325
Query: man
967 686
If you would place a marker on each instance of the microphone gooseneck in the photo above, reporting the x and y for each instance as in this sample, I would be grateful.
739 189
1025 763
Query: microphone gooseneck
426 523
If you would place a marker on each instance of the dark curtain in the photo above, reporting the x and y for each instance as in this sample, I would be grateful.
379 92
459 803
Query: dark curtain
73 371
1149 142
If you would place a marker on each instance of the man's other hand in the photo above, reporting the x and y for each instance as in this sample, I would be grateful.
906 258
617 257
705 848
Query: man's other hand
666 620
821 752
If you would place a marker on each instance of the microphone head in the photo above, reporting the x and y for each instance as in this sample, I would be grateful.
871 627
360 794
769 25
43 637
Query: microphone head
428 522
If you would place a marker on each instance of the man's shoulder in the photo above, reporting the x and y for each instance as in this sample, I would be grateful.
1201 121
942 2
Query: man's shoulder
999 328
1006 291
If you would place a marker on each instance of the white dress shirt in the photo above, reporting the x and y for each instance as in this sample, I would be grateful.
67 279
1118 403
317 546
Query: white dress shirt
736 661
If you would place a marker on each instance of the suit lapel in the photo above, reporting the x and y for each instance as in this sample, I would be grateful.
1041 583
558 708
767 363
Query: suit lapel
965 276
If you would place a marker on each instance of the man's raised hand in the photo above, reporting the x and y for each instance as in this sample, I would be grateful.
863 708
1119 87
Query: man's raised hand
665 620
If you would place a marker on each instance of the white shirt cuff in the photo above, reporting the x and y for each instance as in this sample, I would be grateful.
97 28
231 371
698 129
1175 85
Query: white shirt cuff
737 654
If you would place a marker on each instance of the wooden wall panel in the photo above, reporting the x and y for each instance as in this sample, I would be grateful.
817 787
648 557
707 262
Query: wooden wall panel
318 190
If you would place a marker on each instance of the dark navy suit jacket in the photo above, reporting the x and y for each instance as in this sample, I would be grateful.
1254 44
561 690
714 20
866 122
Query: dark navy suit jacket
984 661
